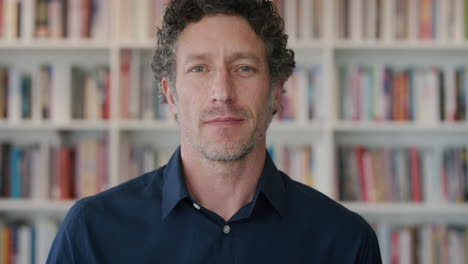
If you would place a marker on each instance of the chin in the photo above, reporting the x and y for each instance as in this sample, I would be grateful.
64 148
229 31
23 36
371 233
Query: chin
227 154
226 150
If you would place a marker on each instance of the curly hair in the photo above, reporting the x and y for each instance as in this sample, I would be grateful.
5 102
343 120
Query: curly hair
260 14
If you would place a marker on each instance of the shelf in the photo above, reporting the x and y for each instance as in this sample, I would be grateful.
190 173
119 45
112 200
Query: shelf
67 44
401 127
148 125
411 211
50 126
306 44
278 126
399 45
283 126
27 205
59 44
293 126
151 44
144 45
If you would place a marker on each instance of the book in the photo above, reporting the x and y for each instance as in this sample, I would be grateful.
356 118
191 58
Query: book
425 95
15 172
26 96
139 158
139 93
3 92
376 174
90 93
45 90
58 19
41 21
2 7
422 243
295 160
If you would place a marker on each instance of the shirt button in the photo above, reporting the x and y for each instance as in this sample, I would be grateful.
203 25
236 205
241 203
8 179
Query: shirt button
196 206
226 229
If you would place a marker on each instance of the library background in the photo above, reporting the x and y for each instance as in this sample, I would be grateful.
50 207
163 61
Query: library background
375 115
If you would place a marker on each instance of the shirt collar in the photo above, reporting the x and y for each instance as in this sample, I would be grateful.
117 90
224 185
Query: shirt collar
273 186
174 189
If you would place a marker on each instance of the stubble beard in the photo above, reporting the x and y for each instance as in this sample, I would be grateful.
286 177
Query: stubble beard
232 151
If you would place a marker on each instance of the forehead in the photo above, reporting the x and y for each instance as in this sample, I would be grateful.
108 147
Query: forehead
220 35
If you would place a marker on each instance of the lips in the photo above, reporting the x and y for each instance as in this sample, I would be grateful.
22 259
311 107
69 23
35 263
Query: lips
224 121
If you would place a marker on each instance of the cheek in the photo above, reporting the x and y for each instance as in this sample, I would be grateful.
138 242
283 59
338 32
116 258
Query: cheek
187 109
258 98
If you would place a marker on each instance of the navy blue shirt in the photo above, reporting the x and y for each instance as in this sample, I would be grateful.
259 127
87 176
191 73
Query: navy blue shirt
153 219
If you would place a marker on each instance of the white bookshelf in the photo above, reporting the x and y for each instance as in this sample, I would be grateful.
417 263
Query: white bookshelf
37 206
324 135
406 213
327 51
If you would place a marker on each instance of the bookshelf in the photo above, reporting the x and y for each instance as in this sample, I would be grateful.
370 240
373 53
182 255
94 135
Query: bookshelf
336 35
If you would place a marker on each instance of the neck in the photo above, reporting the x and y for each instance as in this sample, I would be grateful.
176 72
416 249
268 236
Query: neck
222 187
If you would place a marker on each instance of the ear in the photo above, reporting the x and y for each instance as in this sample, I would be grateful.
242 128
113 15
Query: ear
170 96
279 90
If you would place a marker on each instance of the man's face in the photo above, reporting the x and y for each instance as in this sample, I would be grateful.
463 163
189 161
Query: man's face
223 100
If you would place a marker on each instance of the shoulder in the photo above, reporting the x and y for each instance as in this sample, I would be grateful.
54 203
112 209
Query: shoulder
309 203
91 220
317 215
120 197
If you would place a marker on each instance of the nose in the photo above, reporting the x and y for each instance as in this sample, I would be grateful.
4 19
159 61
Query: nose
222 90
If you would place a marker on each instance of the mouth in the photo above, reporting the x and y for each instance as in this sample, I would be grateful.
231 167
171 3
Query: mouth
225 121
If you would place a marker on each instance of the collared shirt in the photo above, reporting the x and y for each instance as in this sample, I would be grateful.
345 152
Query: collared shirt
153 219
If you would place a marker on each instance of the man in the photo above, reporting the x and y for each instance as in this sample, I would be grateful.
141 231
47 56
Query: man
221 65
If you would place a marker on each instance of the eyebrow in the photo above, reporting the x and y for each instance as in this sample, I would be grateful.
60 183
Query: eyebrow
246 55
235 56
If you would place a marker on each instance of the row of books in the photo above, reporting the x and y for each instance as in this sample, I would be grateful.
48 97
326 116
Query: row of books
378 174
426 95
366 19
44 171
454 175
55 92
137 159
90 93
402 20
26 243
139 20
303 96
423 243
139 93
303 18
295 161
74 19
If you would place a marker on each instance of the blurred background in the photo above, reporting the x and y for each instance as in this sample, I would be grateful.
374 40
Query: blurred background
374 115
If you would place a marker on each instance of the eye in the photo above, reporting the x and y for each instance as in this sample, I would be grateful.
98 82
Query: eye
245 69
197 69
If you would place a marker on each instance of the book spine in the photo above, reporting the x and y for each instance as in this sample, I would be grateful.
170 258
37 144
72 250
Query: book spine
74 21
60 93
2 18
14 97
466 18
3 92
42 19
125 84
86 16
416 179
15 159
107 95
26 96
55 17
